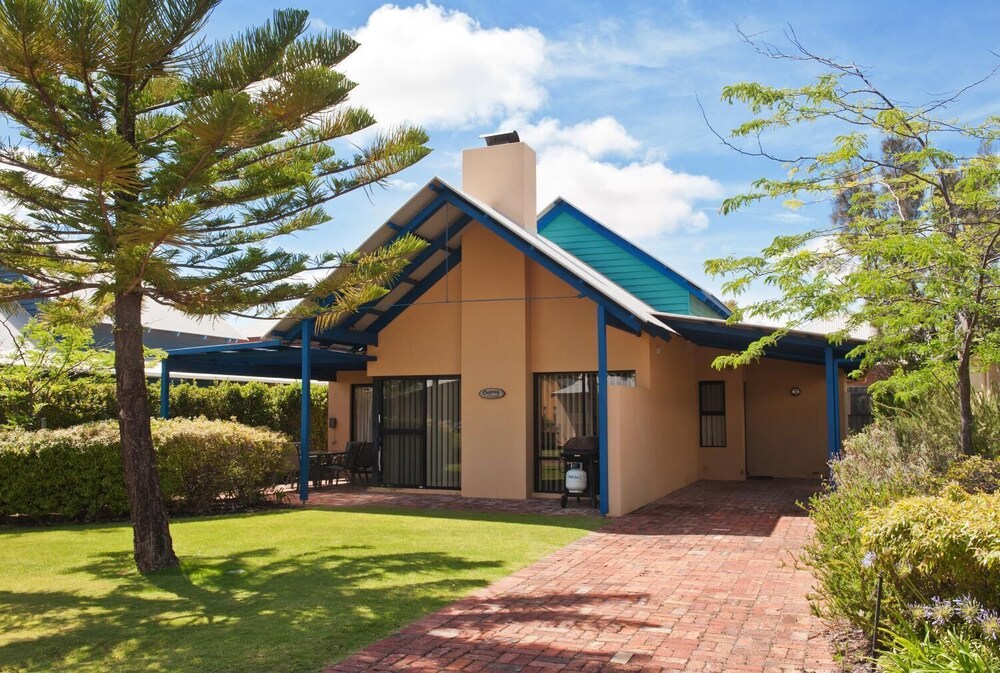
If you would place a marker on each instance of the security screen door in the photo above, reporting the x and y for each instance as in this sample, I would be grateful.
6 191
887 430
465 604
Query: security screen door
419 432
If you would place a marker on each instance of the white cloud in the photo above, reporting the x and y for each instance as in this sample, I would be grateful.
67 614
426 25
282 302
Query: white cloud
440 68
602 48
601 137
638 200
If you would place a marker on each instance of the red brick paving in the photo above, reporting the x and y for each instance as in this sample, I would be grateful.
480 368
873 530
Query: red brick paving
343 495
698 581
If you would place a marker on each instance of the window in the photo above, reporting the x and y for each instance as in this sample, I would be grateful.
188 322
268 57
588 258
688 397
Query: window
860 413
361 412
712 409
565 407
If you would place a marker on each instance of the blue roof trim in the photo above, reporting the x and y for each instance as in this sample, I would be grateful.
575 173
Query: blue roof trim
417 291
273 358
561 206
797 347
624 315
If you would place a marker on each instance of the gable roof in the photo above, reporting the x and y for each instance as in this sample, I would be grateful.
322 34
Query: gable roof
438 212
628 264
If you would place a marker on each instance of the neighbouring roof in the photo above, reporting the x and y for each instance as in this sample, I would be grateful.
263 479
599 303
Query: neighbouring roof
625 263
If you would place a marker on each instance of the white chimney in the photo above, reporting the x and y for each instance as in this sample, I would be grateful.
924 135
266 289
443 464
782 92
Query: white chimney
502 175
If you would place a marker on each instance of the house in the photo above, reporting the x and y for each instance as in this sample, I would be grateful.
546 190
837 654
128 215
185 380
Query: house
492 349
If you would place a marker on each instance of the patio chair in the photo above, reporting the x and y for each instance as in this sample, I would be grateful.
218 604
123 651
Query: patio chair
366 462
344 463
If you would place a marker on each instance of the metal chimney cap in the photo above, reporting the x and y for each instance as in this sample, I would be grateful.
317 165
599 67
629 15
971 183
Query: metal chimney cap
502 138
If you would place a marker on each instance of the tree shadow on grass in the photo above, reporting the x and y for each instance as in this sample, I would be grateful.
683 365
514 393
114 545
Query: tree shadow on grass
248 611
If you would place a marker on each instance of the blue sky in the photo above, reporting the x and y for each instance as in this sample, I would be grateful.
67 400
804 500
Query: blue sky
607 93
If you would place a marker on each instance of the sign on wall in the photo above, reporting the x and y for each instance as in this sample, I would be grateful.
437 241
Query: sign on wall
492 393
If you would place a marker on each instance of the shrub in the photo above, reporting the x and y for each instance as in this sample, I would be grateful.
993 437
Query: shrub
874 470
274 406
909 652
975 474
939 546
77 473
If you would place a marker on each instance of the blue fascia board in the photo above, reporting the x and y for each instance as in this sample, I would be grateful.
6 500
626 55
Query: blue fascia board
543 260
241 346
414 293
338 335
414 223
562 206
752 333
421 258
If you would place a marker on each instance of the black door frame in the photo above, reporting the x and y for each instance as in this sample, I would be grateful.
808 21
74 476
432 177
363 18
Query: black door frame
378 431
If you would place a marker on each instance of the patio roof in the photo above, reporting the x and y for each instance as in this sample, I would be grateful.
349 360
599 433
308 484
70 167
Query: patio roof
272 359
796 346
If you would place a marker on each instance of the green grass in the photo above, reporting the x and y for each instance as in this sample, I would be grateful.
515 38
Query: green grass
280 591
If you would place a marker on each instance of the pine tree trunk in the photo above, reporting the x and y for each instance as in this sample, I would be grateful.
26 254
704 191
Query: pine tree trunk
150 528
965 403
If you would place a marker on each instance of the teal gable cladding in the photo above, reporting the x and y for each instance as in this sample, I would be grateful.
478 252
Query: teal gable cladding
630 267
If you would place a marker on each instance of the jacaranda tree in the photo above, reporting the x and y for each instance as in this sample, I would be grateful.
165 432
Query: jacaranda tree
913 247
148 164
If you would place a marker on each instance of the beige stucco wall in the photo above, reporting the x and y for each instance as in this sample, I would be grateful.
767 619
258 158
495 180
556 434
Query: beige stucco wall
494 354
424 339
498 319
653 429
786 435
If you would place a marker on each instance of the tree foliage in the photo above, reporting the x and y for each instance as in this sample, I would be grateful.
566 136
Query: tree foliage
913 246
48 359
153 165
149 161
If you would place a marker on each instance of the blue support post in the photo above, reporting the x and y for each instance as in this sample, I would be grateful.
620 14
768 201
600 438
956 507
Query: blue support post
832 405
602 405
307 332
164 389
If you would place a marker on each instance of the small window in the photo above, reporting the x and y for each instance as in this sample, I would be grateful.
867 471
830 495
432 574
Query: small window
712 409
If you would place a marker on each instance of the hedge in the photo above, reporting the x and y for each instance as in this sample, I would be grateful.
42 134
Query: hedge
76 473
256 404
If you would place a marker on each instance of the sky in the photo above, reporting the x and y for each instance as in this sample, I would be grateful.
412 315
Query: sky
608 94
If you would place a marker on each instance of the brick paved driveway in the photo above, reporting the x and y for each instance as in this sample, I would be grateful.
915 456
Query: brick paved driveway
698 581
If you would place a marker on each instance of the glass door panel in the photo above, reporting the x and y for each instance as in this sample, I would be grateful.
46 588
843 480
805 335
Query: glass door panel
420 432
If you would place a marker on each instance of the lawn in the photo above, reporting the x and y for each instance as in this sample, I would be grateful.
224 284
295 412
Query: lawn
279 591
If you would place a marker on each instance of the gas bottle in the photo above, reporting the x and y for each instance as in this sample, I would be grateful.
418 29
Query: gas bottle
576 478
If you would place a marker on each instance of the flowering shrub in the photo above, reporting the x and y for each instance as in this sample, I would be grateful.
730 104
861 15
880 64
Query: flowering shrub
965 613
913 651
946 545
875 470
76 472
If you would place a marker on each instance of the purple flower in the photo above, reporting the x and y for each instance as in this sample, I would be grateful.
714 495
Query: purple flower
968 609
868 560
989 624
940 612
918 612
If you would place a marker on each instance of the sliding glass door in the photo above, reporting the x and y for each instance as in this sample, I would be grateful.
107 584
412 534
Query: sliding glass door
565 407
419 432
